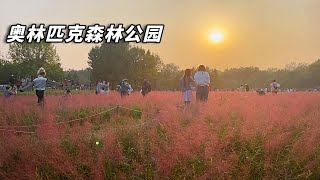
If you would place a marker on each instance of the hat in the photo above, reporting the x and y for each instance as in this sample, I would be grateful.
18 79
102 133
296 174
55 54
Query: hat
125 79
41 71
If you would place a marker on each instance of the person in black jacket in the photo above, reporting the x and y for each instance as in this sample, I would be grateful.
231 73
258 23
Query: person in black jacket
146 87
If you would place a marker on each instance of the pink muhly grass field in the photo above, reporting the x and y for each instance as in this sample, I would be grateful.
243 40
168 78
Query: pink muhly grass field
234 135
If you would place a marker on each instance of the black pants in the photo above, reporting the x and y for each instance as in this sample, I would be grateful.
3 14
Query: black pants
144 92
40 95
124 93
202 93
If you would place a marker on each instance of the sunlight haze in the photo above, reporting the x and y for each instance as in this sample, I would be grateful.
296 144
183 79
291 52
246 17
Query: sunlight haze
260 33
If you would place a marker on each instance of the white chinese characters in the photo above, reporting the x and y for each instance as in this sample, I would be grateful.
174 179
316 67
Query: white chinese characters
16 33
77 33
55 33
153 33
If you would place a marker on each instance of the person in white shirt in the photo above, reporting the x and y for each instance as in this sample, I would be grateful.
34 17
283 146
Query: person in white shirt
130 89
202 80
99 87
39 84
106 87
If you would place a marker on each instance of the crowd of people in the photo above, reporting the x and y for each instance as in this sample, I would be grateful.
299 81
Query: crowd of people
124 87
200 83
40 83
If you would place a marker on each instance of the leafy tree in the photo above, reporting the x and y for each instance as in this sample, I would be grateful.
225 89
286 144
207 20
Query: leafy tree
215 79
116 61
29 57
81 76
313 73
143 64
169 76
6 69
109 62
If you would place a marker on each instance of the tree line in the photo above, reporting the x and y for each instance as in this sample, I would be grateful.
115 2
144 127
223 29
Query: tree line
115 61
26 58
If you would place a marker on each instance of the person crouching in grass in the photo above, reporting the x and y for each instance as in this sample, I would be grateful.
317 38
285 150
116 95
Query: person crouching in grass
67 93
8 92
185 83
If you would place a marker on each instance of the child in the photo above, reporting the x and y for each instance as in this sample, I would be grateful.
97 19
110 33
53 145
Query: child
185 84
67 93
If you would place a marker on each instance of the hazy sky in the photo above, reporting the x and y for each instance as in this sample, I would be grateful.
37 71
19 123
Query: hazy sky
263 33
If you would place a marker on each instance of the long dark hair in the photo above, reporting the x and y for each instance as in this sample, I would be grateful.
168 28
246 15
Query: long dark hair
187 73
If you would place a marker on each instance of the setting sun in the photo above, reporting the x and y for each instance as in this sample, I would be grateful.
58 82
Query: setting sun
216 37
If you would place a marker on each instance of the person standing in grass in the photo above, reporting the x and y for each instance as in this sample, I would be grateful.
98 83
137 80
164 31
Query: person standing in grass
185 84
106 86
12 80
247 87
202 80
40 84
146 87
99 87
274 87
124 87
66 84
241 88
